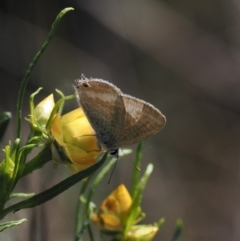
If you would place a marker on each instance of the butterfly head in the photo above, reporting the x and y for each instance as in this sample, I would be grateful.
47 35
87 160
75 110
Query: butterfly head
82 83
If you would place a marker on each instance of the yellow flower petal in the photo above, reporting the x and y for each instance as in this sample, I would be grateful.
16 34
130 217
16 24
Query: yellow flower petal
111 222
110 205
123 198
76 136
73 115
79 156
56 129
77 140
114 210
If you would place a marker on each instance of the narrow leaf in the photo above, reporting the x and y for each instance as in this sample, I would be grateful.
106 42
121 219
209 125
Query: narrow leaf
21 195
32 65
11 224
136 172
5 118
55 190
178 231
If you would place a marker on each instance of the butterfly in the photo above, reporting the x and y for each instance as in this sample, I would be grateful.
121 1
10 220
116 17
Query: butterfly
119 120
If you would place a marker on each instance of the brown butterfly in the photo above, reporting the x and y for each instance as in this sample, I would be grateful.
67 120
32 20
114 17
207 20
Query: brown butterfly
119 120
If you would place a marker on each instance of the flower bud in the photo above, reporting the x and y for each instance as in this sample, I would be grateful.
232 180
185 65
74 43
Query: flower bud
76 143
142 233
43 110
114 210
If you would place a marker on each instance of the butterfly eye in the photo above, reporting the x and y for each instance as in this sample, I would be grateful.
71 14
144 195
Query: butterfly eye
85 84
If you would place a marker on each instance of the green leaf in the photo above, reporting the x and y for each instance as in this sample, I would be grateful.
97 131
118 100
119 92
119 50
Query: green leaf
62 95
32 120
137 198
55 190
5 118
58 106
38 161
11 224
79 223
14 150
32 65
21 195
136 172
7 169
21 159
160 223
178 231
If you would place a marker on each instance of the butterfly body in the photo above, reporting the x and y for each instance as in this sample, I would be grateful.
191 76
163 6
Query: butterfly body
119 120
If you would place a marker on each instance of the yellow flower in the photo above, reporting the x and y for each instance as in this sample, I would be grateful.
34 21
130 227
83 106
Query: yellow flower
43 110
142 233
76 140
114 210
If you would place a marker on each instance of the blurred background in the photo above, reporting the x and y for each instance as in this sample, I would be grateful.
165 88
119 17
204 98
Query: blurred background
182 56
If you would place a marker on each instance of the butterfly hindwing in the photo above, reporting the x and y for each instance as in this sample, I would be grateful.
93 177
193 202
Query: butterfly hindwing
141 121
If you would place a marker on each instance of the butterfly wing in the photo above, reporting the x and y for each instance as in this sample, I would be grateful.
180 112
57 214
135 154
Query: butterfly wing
103 105
141 121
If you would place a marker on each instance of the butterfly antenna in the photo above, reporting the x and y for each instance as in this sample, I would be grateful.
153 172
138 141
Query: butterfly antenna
131 161
115 164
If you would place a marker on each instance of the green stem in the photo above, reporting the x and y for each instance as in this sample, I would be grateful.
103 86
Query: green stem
79 224
5 118
90 233
137 197
20 161
31 66
136 172
178 231
95 184
56 108
38 161
55 190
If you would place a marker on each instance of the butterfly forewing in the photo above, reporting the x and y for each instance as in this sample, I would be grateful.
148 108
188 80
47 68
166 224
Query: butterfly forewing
102 104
